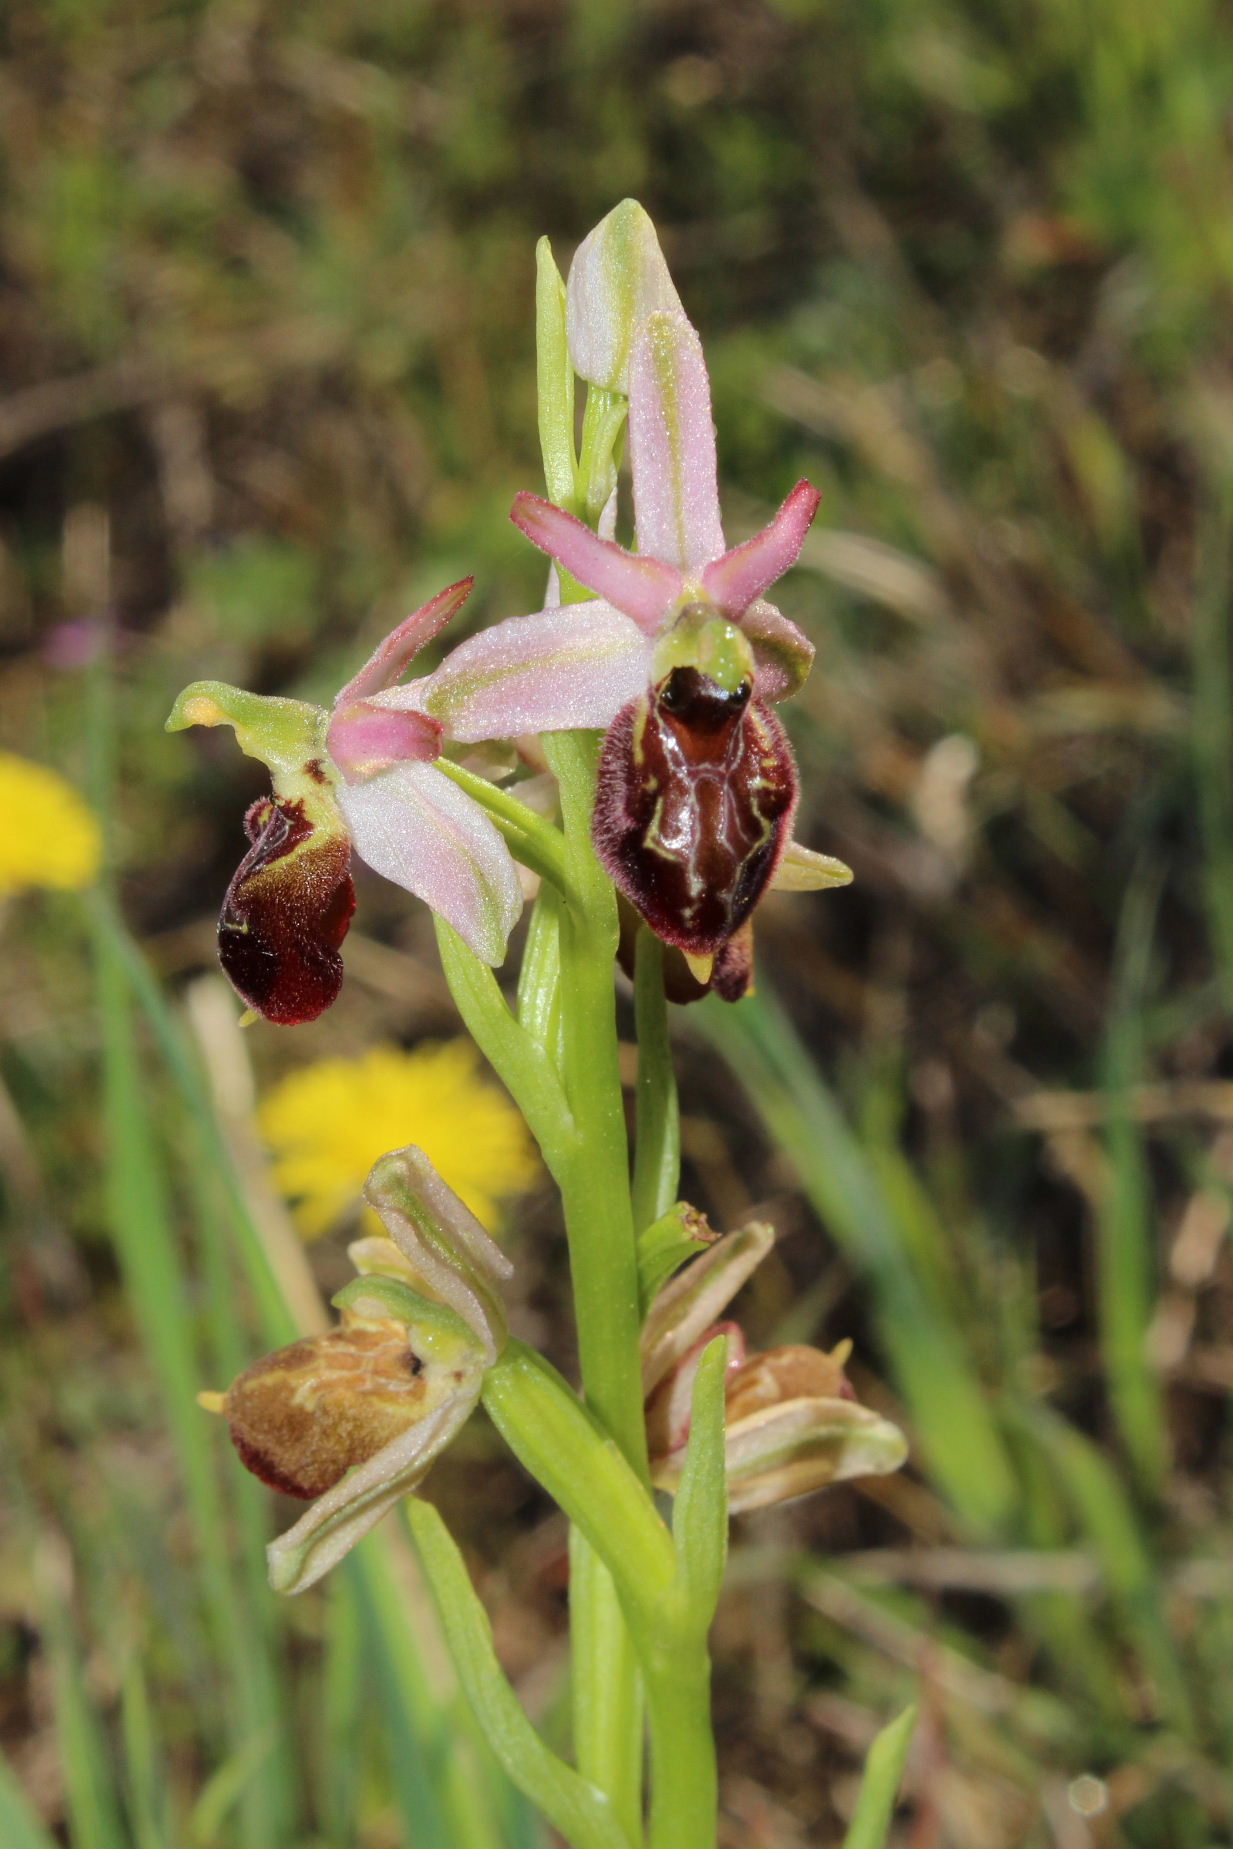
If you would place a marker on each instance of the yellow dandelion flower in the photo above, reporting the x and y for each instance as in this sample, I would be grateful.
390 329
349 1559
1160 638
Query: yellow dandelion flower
326 1124
49 837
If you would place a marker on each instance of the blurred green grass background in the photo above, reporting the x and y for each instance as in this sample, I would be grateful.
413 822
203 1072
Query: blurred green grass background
267 370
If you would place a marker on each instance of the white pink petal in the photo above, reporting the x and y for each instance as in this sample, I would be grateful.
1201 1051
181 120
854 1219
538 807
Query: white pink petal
558 670
672 446
416 828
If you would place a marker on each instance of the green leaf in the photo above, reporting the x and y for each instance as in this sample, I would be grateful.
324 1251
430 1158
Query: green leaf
528 836
700 1513
880 1786
554 1436
581 1812
539 979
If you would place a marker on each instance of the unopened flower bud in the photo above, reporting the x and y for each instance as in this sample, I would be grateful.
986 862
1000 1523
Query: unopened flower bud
618 278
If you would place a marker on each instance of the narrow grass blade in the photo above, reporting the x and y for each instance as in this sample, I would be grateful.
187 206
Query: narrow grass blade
880 1786
19 1827
1109 1524
138 1205
144 1763
86 1756
224 1792
419 1727
929 1353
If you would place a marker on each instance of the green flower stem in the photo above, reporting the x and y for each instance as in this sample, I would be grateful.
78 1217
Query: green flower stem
601 1227
565 1447
599 1221
594 1180
566 1450
684 1785
657 1136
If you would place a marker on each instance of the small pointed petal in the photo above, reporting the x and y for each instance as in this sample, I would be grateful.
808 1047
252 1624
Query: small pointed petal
391 657
364 739
672 446
734 966
737 579
618 277
555 671
644 588
783 652
688 1306
415 827
801 870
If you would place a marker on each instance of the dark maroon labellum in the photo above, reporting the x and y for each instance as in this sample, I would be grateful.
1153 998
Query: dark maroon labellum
285 914
697 787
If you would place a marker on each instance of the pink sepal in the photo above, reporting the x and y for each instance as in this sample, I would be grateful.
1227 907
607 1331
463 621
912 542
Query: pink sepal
672 446
364 739
734 581
415 827
643 587
557 670
390 658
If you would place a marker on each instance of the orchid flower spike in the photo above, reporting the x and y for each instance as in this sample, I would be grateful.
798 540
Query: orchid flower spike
792 1421
352 1420
676 658
361 775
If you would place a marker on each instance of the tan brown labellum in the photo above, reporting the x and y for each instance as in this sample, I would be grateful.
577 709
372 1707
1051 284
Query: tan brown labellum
301 1417
793 1372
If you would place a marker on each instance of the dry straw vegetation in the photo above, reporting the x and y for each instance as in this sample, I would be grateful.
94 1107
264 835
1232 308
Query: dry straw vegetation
267 374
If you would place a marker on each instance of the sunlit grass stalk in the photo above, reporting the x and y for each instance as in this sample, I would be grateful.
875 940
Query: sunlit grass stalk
139 1215
595 1192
